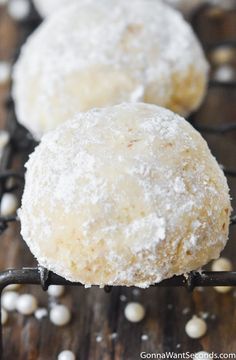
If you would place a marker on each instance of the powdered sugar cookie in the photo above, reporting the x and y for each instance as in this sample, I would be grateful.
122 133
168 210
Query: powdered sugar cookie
101 53
124 195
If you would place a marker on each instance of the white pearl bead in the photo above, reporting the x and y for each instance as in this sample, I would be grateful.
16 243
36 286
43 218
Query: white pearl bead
66 355
26 304
60 315
56 290
4 316
18 9
223 289
9 300
9 204
196 327
40 313
99 338
224 73
5 72
134 312
12 287
221 264
201 355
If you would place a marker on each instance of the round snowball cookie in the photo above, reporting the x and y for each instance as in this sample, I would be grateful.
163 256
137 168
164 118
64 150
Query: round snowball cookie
101 53
124 195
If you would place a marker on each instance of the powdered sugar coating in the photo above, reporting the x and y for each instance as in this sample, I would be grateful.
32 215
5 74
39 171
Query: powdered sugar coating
125 195
100 53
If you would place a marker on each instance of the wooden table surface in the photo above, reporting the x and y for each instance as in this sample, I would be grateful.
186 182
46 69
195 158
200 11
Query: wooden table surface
97 315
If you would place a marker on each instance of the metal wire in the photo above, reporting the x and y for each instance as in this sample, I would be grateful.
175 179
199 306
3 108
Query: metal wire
44 278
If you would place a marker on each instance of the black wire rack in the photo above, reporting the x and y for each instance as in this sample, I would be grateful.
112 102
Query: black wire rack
22 141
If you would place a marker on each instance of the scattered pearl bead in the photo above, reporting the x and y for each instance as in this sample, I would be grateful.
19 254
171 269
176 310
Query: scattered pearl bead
134 312
9 204
40 313
223 289
222 55
18 9
204 315
123 298
5 72
221 264
26 304
201 355
224 73
60 315
98 338
186 311
12 287
144 337
4 316
136 292
196 327
66 355
56 290
9 300
4 138
113 336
